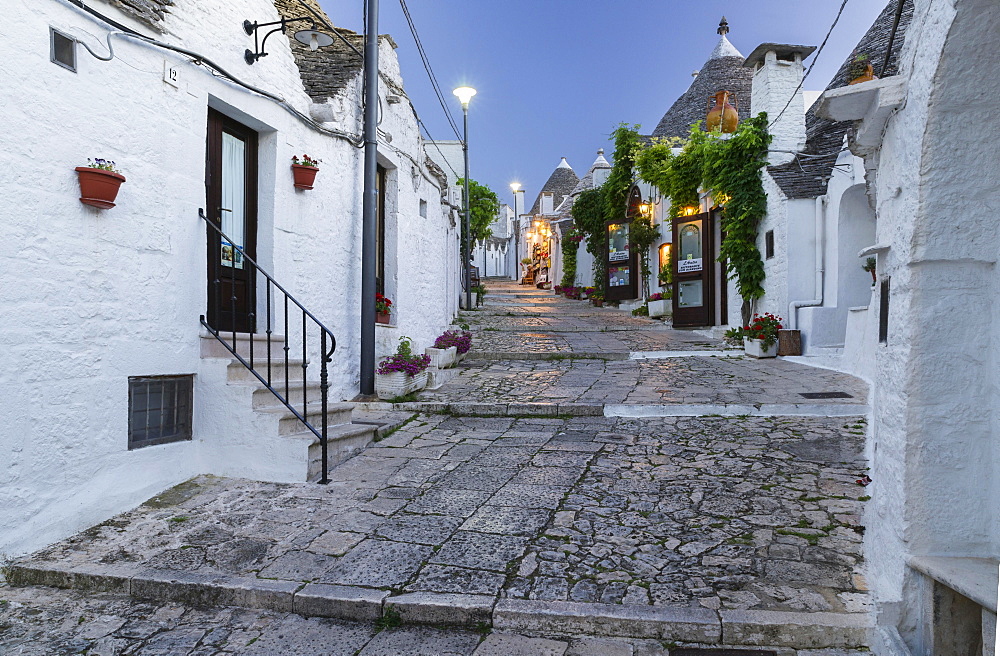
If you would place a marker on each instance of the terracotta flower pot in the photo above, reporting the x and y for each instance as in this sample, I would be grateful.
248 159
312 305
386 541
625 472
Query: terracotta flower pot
597 302
381 317
305 176
867 76
99 188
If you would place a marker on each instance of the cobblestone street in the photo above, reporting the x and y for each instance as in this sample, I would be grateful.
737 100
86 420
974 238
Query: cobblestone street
640 530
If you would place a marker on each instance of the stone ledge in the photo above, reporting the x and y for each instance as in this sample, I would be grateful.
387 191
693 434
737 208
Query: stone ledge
623 621
443 608
488 409
205 590
749 628
975 578
339 601
770 628
736 410
494 356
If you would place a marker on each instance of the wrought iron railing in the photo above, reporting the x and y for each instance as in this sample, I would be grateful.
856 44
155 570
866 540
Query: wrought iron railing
262 365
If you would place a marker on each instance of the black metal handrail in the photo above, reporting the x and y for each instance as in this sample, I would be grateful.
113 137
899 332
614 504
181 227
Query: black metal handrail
325 334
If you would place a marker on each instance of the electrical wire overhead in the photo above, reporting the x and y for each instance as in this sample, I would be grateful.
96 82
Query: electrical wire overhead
430 71
812 65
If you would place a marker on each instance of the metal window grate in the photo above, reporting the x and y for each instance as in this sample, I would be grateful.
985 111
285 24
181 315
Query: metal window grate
160 409
62 49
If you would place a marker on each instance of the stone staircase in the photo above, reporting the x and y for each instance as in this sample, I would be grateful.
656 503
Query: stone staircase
278 445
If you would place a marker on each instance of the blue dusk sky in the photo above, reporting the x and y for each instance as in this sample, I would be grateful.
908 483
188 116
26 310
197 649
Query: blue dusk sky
556 76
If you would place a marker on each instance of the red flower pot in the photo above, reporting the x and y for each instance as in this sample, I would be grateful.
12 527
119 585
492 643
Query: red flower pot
304 175
381 317
99 188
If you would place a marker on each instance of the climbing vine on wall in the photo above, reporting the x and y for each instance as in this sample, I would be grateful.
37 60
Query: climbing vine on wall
731 170
588 215
570 245
644 234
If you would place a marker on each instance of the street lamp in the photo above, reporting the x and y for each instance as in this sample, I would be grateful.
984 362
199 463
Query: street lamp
464 95
516 188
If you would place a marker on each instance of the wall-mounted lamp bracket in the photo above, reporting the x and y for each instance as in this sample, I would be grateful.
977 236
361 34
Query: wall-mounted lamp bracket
311 37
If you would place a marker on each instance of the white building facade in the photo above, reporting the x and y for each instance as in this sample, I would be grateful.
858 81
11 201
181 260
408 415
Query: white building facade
99 300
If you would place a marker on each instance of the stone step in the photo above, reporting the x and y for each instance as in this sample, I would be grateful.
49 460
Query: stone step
211 347
264 398
289 424
724 628
343 442
238 373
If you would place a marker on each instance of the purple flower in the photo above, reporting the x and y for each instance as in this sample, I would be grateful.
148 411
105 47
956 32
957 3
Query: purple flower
460 339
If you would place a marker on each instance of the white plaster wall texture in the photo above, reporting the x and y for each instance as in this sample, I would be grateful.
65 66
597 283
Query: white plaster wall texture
94 297
775 299
774 84
934 450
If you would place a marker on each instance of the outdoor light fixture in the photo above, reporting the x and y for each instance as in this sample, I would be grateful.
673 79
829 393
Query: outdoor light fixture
689 211
464 95
310 37
515 187
645 209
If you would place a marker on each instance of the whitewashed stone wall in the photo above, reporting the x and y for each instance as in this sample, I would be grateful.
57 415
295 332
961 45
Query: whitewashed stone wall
934 429
93 297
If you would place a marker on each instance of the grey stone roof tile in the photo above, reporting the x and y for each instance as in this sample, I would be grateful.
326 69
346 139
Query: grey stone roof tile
561 183
327 71
150 12
724 71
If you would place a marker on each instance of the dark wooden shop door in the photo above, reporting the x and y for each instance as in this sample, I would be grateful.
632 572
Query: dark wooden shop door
694 275
231 184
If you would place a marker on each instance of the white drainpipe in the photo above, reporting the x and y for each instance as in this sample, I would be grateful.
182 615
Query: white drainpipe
793 307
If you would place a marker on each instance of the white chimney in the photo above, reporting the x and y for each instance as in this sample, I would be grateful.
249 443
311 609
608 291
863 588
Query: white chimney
777 83
546 204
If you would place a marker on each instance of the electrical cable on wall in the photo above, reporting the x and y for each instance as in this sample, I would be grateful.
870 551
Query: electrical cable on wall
201 60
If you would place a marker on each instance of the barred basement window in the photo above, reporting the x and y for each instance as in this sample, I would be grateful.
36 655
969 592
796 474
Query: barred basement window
62 49
769 244
160 409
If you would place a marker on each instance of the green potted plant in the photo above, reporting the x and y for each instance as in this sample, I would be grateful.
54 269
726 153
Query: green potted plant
99 183
860 70
460 339
480 291
401 373
760 336
304 171
383 309
869 266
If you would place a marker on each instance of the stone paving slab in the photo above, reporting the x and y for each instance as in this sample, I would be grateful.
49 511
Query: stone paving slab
47 621
701 514
693 380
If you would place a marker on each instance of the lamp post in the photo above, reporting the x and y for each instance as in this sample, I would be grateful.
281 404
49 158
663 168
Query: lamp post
464 95
369 203
516 188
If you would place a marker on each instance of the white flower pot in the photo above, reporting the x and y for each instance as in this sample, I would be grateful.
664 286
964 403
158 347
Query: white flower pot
754 348
398 383
442 358
460 356
661 308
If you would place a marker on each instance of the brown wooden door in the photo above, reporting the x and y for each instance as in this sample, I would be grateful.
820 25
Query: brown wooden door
231 188
694 272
